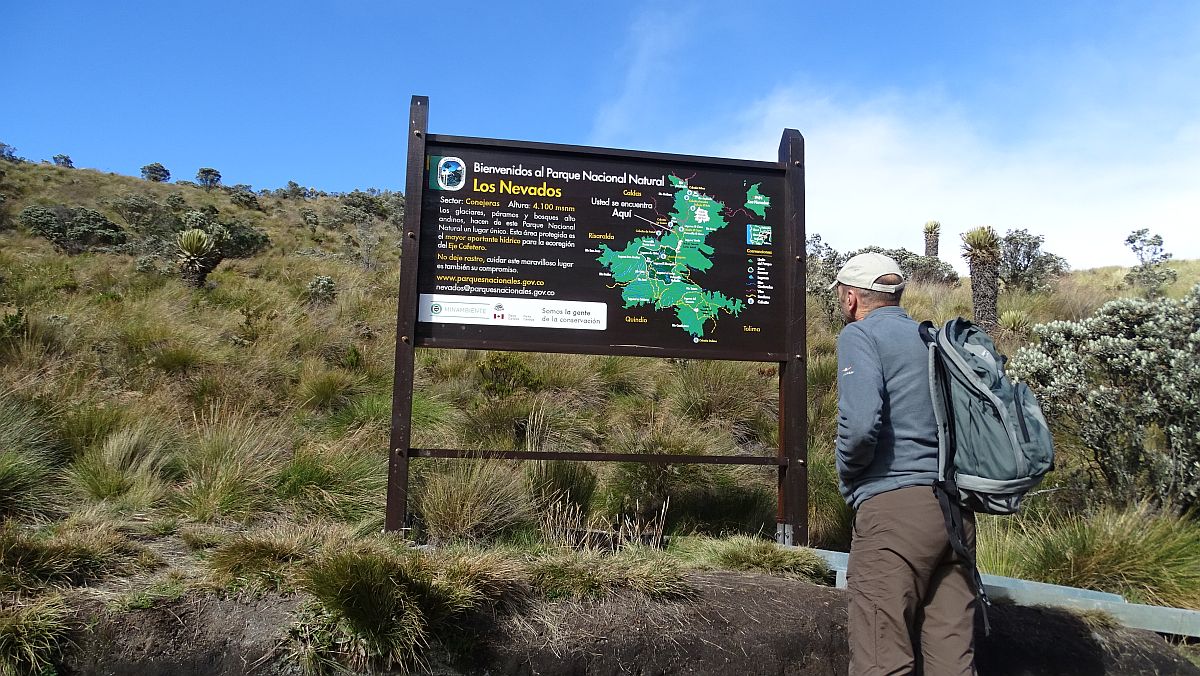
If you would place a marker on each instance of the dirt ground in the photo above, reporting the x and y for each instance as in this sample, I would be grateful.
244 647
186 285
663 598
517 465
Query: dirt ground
742 624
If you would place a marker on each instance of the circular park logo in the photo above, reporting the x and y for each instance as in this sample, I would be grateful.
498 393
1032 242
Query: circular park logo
435 309
451 173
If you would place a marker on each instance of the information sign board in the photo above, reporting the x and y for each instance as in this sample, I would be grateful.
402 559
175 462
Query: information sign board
529 246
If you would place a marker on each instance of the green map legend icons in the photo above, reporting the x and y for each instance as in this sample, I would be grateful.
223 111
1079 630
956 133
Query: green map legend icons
758 235
657 270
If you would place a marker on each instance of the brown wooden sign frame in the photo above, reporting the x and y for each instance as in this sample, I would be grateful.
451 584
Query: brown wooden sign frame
791 457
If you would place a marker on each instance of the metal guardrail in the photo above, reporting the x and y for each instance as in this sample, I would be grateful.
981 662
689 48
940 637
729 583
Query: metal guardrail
1161 619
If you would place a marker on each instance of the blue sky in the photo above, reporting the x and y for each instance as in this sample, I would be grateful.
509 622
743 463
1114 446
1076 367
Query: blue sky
1079 121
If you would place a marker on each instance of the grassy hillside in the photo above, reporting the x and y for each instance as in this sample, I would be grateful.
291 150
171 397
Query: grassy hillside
160 439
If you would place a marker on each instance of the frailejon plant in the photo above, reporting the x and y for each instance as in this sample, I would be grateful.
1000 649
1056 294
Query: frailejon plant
981 248
197 255
933 231
1126 383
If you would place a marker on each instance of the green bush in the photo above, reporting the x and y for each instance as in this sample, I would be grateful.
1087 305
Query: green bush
1124 382
72 231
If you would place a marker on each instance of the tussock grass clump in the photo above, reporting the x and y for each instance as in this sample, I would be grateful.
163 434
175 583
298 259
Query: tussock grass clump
472 501
27 454
341 479
229 466
271 558
370 614
565 573
32 635
1145 555
830 519
730 395
554 480
131 468
326 389
643 488
744 553
69 555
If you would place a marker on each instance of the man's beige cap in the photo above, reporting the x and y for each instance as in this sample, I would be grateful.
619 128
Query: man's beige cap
862 271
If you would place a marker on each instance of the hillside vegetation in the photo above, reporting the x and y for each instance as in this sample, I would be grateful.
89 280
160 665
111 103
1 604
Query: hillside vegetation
161 440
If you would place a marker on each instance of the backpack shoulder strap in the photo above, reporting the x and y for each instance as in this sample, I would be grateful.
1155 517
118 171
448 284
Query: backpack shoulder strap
926 332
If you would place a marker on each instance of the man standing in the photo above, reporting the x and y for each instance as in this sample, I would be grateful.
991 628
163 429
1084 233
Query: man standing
912 605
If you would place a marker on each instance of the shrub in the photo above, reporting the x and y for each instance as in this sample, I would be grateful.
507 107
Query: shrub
1124 383
61 160
1151 274
72 231
310 218
244 199
916 268
1023 264
144 214
505 373
322 290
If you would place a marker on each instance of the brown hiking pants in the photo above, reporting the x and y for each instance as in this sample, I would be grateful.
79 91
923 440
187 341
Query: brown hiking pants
912 606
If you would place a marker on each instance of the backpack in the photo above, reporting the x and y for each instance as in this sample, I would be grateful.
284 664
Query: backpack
993 442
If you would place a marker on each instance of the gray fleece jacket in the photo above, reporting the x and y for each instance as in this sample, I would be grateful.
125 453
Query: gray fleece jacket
887 435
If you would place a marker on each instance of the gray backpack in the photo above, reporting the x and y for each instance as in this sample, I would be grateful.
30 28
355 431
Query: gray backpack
993 442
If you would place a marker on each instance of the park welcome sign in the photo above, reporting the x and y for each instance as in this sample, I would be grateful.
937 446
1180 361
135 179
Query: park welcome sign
512 245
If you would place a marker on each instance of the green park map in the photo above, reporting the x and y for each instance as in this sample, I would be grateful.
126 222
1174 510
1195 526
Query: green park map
658 270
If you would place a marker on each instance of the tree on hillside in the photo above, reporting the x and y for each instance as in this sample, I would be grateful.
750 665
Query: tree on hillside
208 177
981 248
9 153
933 231
1023 264
156 172
1151 273
61 160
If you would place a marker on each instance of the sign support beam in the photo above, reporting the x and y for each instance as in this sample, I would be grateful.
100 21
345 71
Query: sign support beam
396 516
793 380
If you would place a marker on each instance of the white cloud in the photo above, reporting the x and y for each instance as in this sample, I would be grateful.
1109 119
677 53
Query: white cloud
1095 141
878 169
